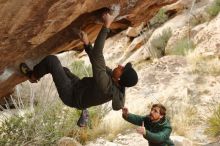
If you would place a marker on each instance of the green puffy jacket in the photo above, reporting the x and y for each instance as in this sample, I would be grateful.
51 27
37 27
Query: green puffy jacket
157 133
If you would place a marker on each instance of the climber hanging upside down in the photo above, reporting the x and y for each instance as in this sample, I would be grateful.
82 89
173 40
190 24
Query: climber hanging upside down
105 85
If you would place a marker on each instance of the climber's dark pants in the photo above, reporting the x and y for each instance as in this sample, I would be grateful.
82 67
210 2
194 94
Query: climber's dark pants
64 84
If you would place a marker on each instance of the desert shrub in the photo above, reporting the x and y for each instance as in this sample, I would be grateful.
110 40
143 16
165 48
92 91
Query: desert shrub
43 126
159 19
210 12
182 47
214 123
214 9
196 20
159 43
182 118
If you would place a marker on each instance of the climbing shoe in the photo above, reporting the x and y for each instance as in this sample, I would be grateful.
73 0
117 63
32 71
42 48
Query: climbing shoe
25 70
83 119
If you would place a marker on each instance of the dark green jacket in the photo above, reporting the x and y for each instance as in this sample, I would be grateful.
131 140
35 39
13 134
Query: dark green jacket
99 89
157 133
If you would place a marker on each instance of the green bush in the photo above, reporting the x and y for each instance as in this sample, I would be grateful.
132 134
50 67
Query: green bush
214 9
182 47
214 123
159 43
44 126
47 124
159 19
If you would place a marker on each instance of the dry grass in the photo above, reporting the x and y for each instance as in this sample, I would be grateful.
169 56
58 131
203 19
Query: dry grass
45 125
214 123
182 47
184 121
204 65
199 19
108 131
42 126
182 118
183 115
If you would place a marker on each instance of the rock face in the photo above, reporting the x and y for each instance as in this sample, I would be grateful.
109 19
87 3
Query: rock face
31 30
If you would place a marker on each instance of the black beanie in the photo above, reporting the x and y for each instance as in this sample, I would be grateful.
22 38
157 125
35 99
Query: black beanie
129 76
